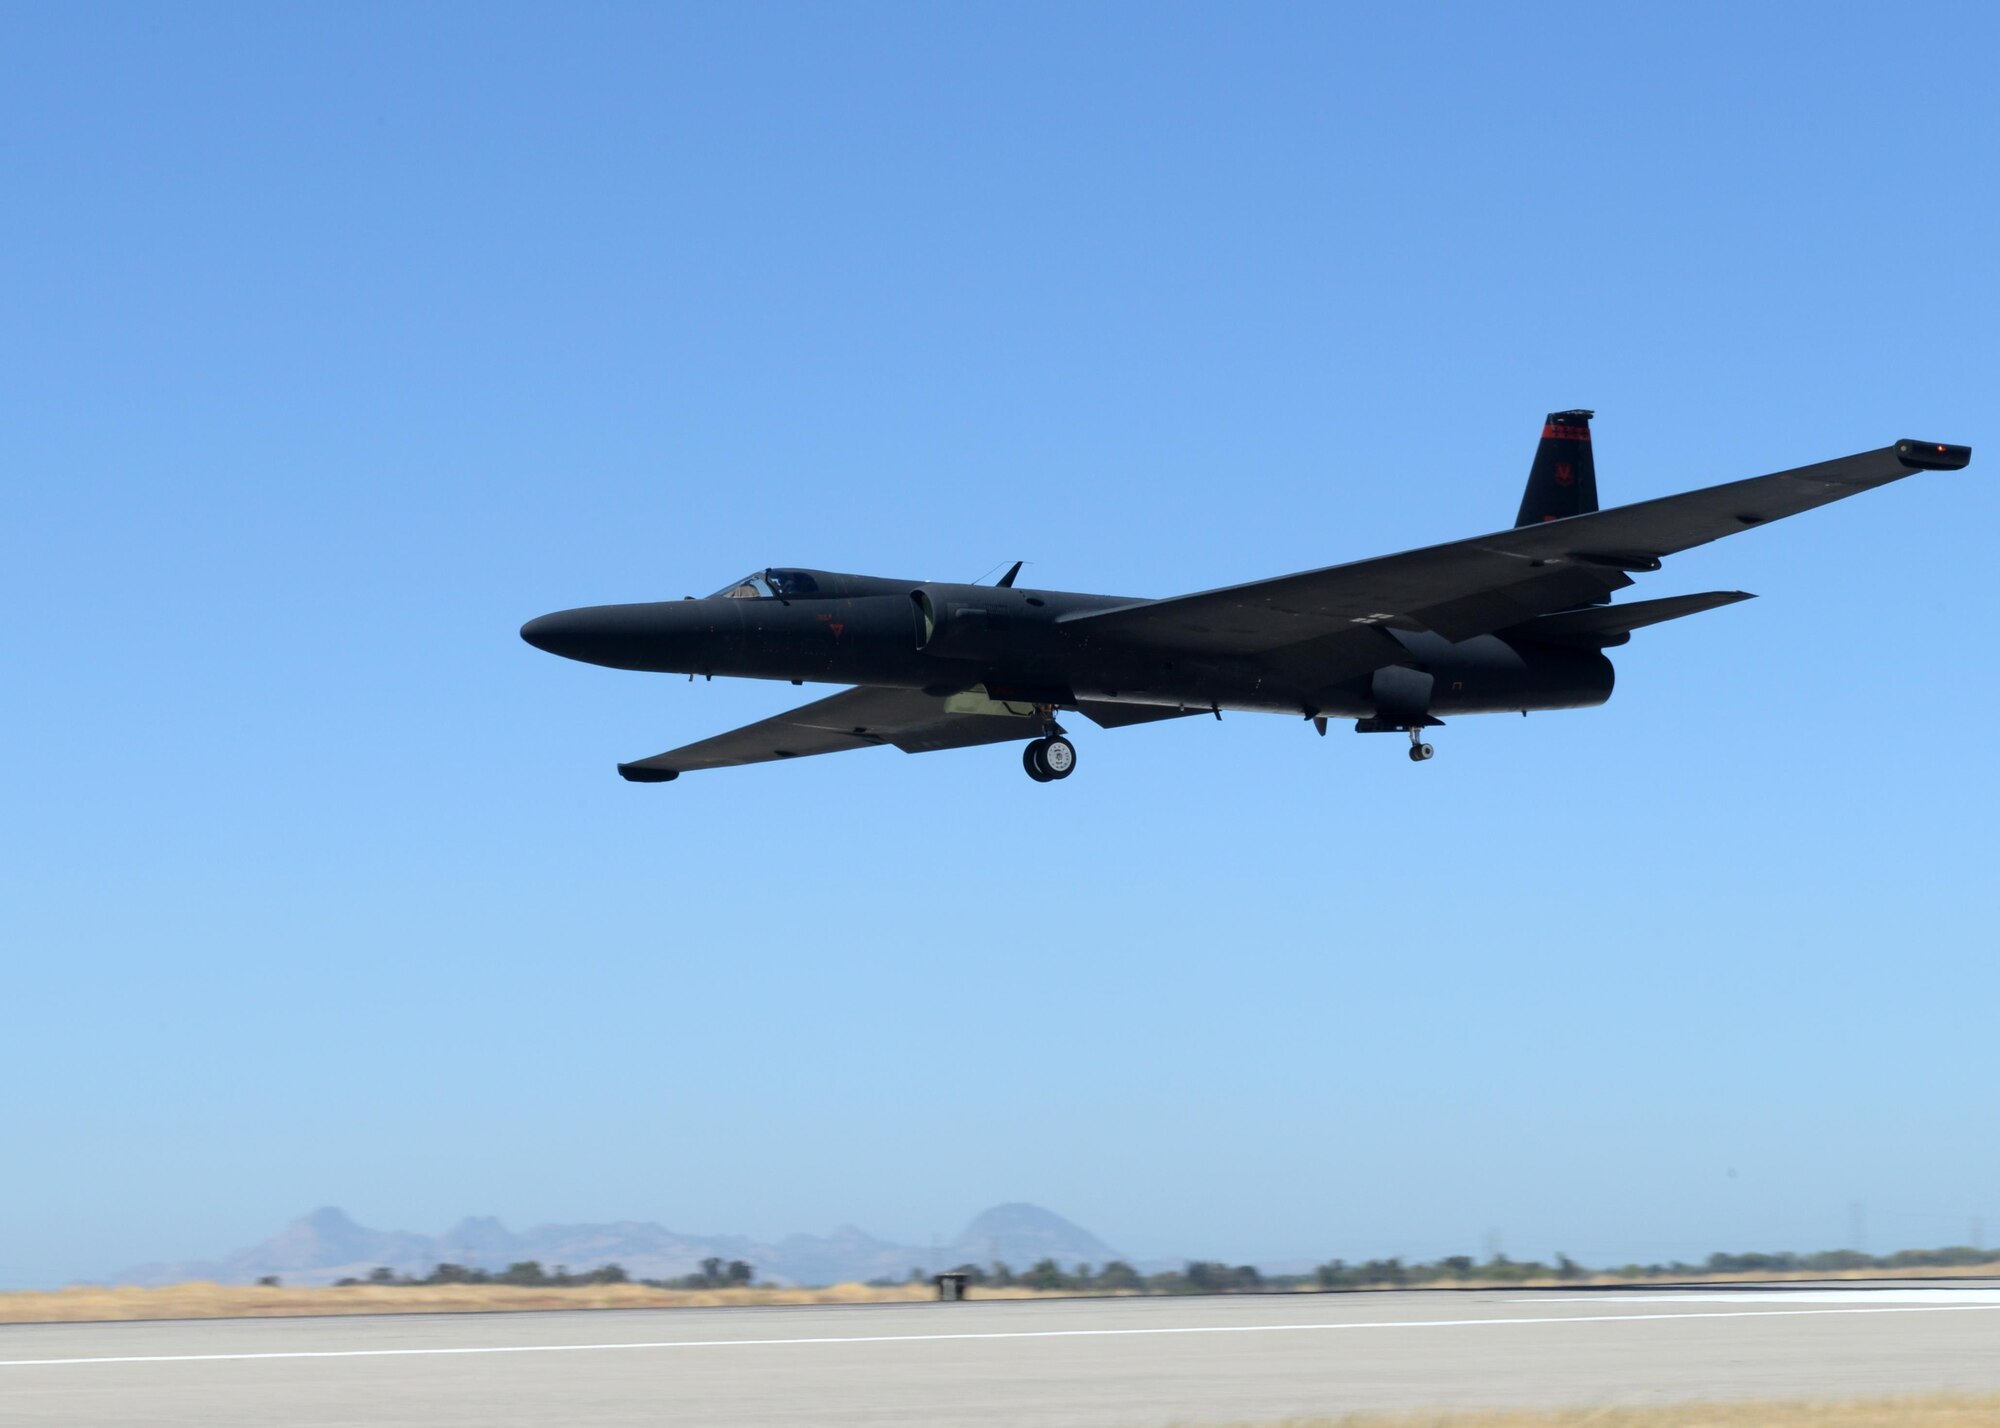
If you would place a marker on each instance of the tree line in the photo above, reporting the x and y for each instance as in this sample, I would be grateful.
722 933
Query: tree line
1215 1277
715 1273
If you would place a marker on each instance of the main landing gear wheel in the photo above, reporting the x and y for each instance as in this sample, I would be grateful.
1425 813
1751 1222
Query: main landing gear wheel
1049 759
1419 750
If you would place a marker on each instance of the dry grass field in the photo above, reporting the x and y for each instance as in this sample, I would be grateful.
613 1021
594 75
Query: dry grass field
243 1301
1943 1410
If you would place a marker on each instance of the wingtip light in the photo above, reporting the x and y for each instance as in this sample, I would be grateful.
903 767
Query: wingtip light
1933 455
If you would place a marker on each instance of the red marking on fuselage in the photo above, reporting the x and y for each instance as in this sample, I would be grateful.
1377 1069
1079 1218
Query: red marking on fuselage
836 630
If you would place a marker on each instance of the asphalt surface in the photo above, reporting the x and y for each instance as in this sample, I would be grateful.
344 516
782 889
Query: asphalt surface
1093 1363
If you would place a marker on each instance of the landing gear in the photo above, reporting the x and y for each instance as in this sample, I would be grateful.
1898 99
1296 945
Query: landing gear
1049 759
1419 750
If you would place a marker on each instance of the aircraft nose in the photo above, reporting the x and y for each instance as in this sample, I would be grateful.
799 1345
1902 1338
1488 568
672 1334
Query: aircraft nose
662 635
558 633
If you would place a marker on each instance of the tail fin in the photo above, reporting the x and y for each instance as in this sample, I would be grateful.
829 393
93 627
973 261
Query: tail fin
1563 480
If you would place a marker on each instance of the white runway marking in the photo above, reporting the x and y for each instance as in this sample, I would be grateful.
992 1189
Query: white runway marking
1793 1296
1000 1334
1805 1297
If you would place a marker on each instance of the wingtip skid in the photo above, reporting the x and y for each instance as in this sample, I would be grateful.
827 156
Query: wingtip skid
1933 455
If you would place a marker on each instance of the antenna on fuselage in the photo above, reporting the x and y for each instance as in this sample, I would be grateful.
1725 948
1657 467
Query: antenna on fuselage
1006 581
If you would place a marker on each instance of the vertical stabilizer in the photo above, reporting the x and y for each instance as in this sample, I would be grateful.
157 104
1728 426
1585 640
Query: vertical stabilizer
1563 480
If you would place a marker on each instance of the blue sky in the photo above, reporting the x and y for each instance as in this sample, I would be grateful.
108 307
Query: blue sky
342 340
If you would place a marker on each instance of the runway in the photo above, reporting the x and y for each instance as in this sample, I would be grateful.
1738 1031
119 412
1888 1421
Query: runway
1080 1363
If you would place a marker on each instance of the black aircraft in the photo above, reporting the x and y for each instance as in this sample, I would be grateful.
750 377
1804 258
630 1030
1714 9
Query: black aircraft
1516 620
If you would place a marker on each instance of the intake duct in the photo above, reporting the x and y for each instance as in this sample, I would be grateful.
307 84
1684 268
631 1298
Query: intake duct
951 628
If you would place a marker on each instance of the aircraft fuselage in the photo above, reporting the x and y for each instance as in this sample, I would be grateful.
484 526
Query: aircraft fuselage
1515 619
945 638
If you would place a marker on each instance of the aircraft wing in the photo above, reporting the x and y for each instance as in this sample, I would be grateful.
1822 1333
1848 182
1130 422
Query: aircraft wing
1473 587
909 719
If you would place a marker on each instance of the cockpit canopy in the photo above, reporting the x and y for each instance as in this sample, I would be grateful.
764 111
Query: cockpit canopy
769 585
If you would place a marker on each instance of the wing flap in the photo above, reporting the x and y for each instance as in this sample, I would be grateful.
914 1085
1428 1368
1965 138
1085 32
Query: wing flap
1110 714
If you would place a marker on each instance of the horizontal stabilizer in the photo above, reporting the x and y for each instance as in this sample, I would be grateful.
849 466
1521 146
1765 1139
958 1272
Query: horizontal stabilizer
1610 624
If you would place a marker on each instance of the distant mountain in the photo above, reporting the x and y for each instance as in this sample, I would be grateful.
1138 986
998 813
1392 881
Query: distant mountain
314 1249
1020 1234
327 1245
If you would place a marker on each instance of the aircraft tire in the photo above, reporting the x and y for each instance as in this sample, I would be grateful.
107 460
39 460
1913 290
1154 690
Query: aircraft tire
1031 760
1420 752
